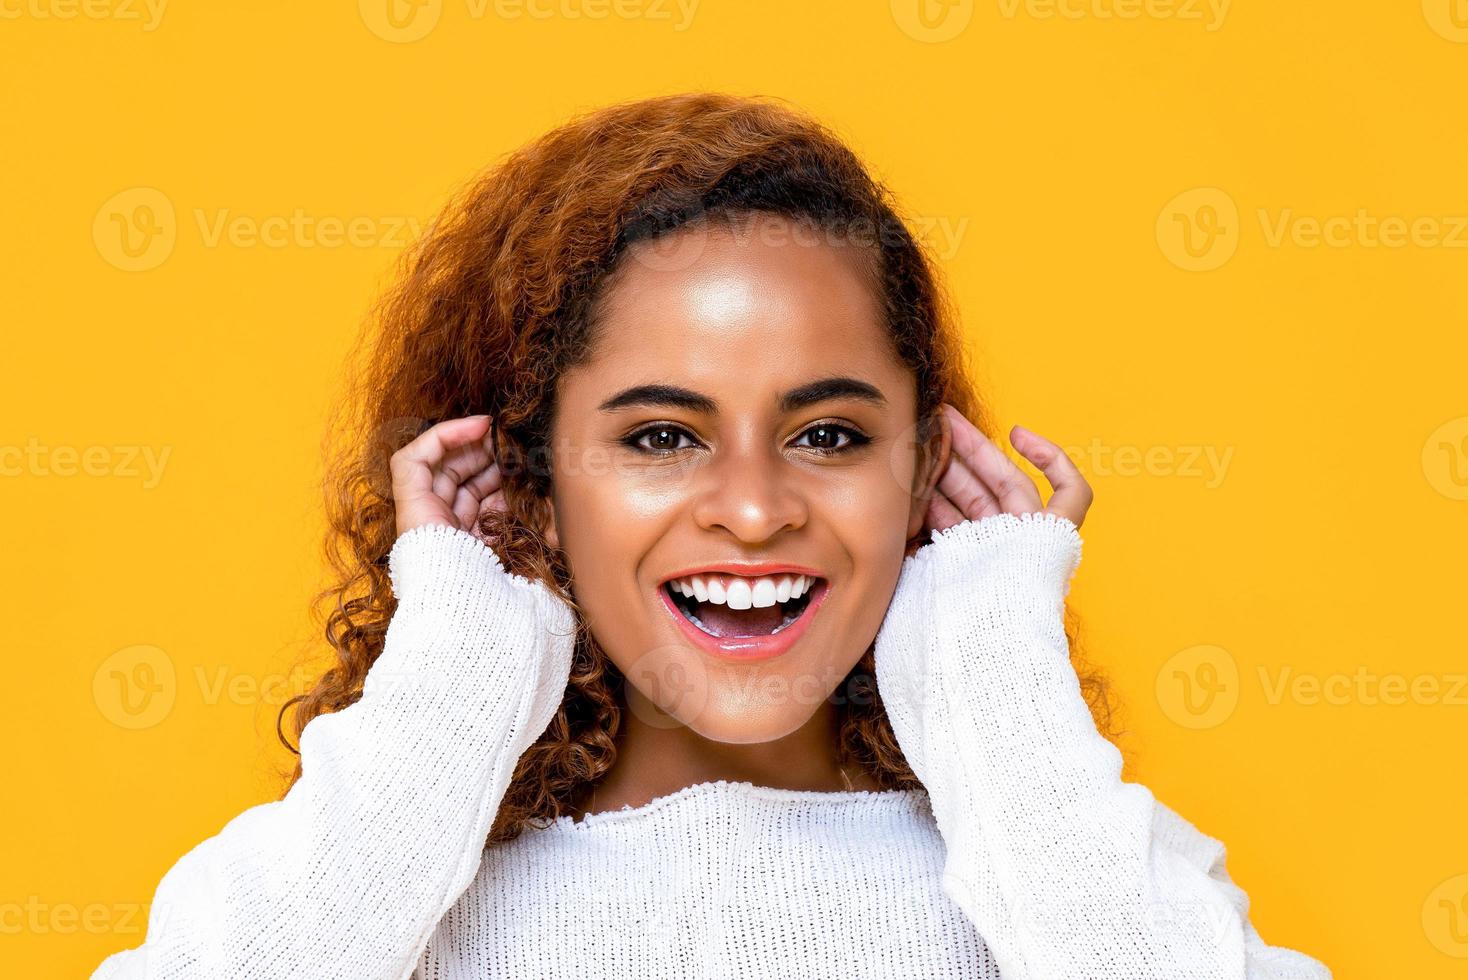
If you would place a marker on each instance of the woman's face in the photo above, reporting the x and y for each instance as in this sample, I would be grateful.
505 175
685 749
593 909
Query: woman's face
742 406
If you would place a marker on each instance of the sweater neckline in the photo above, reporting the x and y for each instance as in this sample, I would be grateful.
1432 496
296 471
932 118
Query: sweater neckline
899 799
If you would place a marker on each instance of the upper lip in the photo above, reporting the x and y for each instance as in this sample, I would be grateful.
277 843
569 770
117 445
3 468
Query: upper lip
746 569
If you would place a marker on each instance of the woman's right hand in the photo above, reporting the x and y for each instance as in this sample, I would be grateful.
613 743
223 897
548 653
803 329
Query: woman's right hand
448 475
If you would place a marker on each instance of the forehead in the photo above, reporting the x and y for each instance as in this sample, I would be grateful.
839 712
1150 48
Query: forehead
741 313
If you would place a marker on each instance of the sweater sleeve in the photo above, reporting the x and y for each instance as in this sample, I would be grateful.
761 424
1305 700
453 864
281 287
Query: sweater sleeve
1067 871
349 873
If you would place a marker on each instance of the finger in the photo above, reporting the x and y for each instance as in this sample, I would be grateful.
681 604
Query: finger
479 496
942 513
486 481
461 464
958 483
1015 492
472 499
963 490
1073 495
448 451
421 458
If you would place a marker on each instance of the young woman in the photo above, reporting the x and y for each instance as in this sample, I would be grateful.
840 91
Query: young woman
690 623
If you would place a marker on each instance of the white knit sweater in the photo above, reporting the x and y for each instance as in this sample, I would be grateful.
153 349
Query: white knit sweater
1026 858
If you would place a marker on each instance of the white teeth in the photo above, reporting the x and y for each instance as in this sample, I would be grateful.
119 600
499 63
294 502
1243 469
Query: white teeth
743 593
739 595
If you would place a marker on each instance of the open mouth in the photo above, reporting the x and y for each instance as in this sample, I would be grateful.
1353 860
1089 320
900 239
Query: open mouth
719 613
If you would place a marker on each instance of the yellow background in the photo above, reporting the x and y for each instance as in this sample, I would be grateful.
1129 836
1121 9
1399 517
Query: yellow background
1123 193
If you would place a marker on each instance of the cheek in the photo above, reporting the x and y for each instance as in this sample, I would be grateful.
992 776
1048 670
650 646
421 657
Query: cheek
603 541
598 509
602 515
872 529
869 515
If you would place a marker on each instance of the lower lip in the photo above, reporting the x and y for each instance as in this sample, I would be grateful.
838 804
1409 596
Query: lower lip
746 649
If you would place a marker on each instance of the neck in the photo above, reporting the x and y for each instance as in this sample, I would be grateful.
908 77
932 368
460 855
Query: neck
657 755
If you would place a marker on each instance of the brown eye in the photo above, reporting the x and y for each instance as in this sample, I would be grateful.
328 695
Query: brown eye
659 440
827 438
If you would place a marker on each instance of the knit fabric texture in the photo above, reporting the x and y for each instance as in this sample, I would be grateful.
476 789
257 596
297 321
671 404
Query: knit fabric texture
1025 856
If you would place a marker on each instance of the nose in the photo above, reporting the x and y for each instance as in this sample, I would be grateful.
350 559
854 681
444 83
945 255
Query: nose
751 493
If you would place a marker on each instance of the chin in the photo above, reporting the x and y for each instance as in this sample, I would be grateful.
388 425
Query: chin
747 728
729 703
745 715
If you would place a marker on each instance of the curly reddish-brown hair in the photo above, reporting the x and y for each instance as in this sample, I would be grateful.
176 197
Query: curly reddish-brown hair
498 298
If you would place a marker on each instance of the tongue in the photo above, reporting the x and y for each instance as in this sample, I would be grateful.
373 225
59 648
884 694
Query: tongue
723 621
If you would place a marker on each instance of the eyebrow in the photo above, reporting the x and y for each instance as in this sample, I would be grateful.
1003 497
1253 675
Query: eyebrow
673 396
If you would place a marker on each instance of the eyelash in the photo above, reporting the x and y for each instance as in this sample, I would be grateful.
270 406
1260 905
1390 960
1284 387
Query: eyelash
855 439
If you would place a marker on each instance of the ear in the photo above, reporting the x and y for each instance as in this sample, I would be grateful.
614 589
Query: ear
932 463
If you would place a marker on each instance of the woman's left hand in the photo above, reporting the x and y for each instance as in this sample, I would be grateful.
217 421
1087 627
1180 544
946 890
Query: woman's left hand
981 480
